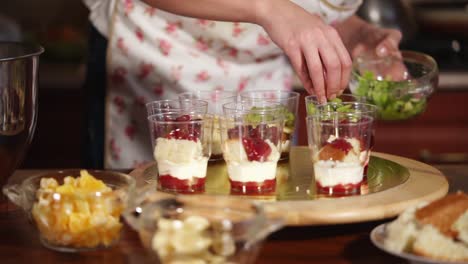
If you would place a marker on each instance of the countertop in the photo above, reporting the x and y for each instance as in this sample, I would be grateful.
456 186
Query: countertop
323 244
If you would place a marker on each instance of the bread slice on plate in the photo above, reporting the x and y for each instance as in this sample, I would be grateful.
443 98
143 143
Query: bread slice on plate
438 230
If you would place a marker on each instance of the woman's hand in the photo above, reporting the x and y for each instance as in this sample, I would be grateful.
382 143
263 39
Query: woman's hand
361 37
364 39
314 48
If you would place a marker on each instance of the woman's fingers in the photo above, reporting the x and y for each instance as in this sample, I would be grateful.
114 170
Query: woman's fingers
315 71
388 45
299 65
343 55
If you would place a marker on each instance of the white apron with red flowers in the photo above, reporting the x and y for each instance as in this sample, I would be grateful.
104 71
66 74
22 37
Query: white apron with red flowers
154 55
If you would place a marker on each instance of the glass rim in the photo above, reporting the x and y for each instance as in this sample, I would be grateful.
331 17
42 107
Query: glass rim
372 106
151 118
267 108
407 55
200 103
343 94
319 118
235 123
255 210
195 93
291 94
127 181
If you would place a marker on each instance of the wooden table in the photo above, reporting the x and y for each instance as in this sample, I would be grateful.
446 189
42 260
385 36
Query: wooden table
350 243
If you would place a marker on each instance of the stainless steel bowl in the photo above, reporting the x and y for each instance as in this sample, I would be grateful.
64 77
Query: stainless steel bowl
18 103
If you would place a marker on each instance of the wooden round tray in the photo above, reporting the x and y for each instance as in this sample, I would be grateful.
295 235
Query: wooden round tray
394 183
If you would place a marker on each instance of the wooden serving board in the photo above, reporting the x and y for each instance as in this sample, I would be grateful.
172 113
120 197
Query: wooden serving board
394 184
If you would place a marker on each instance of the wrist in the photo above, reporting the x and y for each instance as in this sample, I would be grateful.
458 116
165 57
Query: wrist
268 11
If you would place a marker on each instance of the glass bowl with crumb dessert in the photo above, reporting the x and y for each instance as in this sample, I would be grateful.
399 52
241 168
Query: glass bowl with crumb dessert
201 228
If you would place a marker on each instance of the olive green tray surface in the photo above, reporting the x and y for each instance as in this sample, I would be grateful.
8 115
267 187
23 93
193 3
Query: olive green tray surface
393 184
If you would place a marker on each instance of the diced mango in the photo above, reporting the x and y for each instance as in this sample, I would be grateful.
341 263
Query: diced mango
80 218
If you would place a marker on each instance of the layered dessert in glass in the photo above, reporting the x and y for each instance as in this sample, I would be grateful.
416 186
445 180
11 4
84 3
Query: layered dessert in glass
288 102
251 147
340 149
181 150
215 100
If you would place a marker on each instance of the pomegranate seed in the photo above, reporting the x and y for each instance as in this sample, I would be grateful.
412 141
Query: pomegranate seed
183 118
256 149
341 144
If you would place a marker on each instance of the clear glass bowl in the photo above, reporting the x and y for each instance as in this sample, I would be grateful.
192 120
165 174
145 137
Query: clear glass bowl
74 213
400 87
201 228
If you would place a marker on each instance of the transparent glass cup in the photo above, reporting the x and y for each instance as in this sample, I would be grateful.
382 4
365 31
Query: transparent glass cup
353 107
201 228
216 99
289 102
180 106
311 101
251 140
77 216
181 147
340 149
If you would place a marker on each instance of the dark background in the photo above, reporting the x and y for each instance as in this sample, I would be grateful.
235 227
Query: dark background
440 135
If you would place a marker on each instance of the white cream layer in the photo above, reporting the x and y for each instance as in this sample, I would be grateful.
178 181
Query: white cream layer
184 171
180 158
285 145
251 171
330 173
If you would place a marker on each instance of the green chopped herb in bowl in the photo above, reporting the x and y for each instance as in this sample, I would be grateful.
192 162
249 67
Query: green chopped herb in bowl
399 99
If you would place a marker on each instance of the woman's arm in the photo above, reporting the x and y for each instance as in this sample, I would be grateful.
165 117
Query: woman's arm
221 10
315 49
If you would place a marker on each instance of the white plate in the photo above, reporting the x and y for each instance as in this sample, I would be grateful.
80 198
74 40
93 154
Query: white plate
378 235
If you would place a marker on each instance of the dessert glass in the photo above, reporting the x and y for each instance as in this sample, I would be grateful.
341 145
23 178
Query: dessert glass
289 105
74 217
353 107
201 228
251 139
340 149
216 99
181 144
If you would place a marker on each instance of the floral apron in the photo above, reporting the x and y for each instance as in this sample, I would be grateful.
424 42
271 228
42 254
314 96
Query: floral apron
153 54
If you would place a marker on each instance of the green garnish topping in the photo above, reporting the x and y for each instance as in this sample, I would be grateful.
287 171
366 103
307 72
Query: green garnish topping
311 108
392 98
288 115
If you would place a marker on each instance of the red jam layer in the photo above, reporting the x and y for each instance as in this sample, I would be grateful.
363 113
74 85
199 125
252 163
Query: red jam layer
340 189
253 188
172 184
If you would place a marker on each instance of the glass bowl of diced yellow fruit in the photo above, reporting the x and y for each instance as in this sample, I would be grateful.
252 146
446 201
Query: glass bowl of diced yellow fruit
188 229
74 210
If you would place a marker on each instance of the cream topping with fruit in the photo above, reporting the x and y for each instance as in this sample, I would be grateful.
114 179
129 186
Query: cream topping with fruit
340 161
241 169
180 158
